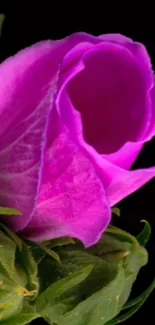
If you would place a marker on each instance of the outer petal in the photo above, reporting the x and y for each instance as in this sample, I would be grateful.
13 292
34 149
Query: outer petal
72 199
119 183
27 85
24 108
127 182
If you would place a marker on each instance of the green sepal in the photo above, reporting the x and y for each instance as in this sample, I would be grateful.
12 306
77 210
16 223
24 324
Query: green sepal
2 17
30 266
53 301
27 315
19 283
7 254
136 304
116 211
123 236
41 250
12 235
135 257
60 242
99 307
117 252
90 286
11 294
9 211
49 252
145 234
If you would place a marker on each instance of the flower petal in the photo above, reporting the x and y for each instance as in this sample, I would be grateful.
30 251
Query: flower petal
27 85
151 129
109 91
24 116
118 182
122 157
127 182
72 198
126 155
137 49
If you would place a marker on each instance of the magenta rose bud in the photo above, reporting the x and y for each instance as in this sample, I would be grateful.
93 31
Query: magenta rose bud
74 116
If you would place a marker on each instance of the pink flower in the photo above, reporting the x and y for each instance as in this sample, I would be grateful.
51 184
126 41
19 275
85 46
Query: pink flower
74 116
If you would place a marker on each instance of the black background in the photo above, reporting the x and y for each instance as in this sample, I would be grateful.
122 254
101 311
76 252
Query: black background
25 25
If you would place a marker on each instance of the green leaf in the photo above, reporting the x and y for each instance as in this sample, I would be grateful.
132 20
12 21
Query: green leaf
115 247
116 211
132 265
2 17
60 287
10 304
103 272
50 252
140 298
140 301
37 253
61 242
9 211
27 315
13 236
145 234
12 293
109 244
73 259
7 254
116 250
51 300
29 264
123 236
18 278
99 307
